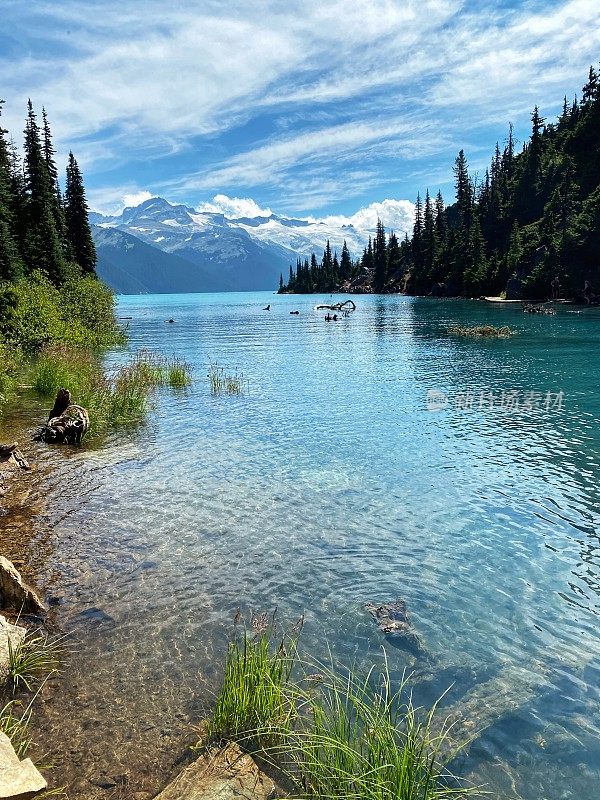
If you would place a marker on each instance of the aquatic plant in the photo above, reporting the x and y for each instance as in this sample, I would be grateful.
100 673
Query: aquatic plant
113 398
33 659
361 738
481 330
226 382
254 702
179 374
332 733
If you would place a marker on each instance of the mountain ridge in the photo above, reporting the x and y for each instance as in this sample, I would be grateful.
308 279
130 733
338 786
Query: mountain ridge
228 252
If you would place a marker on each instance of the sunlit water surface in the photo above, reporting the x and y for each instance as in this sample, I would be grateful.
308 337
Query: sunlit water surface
328 483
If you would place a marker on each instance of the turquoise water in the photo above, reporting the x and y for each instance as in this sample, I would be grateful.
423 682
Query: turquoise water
327 484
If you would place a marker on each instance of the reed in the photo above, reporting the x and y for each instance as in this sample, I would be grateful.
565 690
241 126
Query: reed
223 382
361 738
33 659
331 733
16 727
114 398
254 702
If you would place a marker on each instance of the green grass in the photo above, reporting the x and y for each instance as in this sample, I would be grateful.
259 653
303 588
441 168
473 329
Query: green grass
16 727
333 733
481 330
113 399
362 739
223 382
32 660
254 703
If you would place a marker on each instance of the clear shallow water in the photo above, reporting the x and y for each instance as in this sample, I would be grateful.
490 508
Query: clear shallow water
328 484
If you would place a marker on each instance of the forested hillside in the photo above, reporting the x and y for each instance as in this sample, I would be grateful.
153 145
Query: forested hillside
533 215
49 291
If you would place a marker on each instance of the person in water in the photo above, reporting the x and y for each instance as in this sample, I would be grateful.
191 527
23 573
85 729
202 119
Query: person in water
267 308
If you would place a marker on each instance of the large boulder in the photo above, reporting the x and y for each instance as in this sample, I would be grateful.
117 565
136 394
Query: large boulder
11 635
14 593
221 774
19 780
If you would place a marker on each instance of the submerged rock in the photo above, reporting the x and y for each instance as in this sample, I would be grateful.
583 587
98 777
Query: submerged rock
393 620
14 593
19 780
95 616
223 774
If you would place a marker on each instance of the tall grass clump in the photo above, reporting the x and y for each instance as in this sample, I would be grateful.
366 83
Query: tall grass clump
360 738
223 382
10 362
114 398
32 660
332 733
254 703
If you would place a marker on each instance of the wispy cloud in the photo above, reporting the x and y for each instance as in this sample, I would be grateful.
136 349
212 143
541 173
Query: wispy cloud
267 96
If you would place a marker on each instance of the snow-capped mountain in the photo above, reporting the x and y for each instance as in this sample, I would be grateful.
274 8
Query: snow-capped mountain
228 252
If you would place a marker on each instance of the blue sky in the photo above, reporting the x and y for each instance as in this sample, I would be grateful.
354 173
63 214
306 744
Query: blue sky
307 107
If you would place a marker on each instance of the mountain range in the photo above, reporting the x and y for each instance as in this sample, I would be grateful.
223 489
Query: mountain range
160 247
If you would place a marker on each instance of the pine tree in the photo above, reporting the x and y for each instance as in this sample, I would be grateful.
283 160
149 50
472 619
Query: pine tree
345 263
43 248
379 258
57 206
394 259
429 248
79 233
10 262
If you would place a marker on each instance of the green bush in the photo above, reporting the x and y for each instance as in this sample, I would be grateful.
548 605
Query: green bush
35 312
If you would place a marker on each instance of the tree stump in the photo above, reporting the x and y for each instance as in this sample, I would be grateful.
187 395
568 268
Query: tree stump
67 423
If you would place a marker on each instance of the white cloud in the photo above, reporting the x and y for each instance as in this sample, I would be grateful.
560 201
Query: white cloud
122 86
264 164
233 207
397 215
132 200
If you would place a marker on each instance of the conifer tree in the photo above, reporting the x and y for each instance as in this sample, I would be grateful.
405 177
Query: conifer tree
379 258
43 248
79 233
57 206
394 259
10 262
345 263
429 249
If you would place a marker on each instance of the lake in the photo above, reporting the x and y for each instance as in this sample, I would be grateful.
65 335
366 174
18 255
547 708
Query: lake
369 459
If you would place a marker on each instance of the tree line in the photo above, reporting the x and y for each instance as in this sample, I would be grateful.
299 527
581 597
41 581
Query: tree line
41 231
533 216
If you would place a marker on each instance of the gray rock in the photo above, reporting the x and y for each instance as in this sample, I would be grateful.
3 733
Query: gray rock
221 774
19 780
8 633
14 593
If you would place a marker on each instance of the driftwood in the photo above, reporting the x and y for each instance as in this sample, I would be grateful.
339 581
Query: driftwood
538 308
345 307
393 621
67 423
